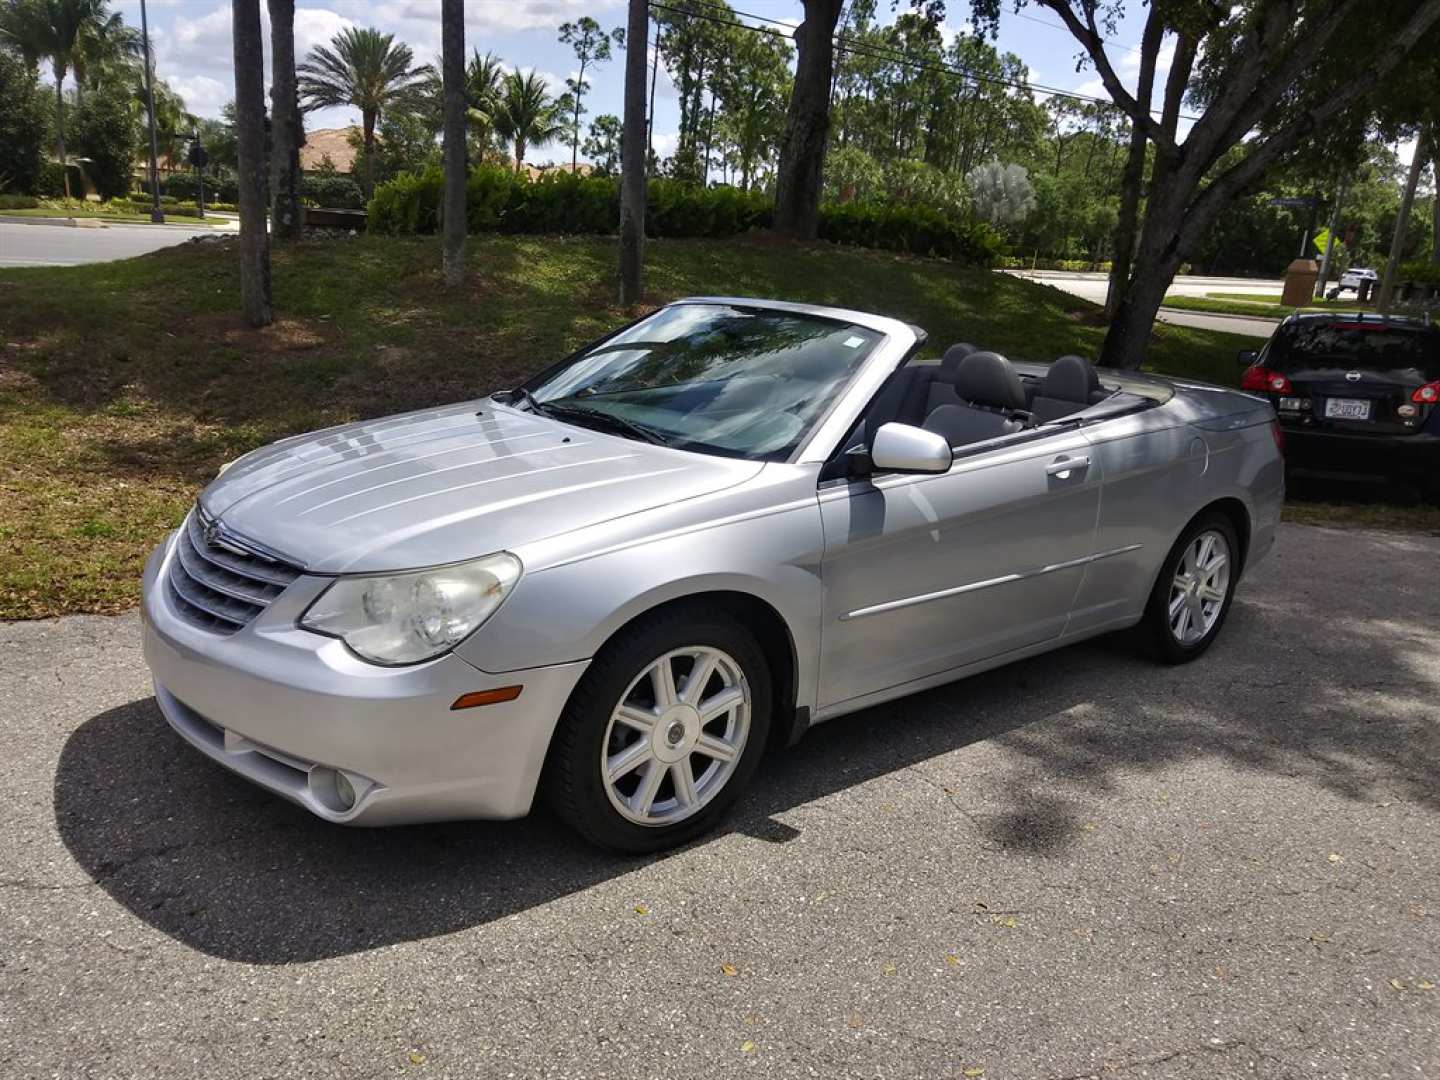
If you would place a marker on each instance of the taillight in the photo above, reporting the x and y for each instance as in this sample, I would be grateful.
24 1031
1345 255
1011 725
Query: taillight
1264 381
1428 394
1278 436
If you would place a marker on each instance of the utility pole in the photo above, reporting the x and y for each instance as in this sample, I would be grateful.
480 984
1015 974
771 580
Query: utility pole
156 214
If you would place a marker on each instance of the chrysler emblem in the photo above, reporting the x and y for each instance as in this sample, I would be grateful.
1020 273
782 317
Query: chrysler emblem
211 532
1352 376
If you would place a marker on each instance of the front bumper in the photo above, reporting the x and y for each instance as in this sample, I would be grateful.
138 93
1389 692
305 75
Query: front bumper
284 708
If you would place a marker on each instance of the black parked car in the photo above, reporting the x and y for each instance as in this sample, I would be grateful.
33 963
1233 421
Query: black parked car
1356 395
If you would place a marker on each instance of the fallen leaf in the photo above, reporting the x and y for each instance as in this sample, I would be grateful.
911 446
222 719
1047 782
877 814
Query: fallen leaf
1317 936
1424 984
1007 921
1398 984
641 909
1334 857
1090 826
856 1020
747 1047
889 969
952 959
417 1058
729 969
974 1071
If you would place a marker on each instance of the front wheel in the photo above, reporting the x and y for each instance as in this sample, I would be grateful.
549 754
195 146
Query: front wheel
1192 595
663 732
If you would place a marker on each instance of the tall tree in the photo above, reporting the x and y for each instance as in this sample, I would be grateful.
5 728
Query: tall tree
1402 224
592 46
807 122
527 116
484 81
602 144
452 214
286 134
633 155
1275 71
250 138
22 123
366 69
55 30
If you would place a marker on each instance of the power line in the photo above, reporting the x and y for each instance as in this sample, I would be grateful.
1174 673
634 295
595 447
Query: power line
878 52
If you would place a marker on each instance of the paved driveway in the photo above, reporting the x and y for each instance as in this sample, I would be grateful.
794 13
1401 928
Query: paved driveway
1081 865
1094 286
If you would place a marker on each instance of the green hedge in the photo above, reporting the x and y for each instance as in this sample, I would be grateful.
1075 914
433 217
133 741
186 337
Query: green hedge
920 230
18 202
1419 270
498 200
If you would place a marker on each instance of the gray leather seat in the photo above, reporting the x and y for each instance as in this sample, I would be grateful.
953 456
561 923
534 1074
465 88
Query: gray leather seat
990 394
1070 385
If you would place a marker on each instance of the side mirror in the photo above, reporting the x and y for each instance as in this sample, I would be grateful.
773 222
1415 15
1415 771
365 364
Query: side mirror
906 449
1246 357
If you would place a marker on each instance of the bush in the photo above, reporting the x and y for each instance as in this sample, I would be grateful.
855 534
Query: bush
331 190
50 184
23 122
105 131
184 186
18 202
919 230
500 201
1034 263
1419 270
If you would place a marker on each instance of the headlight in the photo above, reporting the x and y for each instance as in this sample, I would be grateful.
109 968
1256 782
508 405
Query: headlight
406 618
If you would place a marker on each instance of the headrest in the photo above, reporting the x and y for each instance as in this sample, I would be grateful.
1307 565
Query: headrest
950 362
987 378
1071 378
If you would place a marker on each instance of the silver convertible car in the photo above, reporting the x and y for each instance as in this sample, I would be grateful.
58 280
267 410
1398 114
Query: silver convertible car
621 583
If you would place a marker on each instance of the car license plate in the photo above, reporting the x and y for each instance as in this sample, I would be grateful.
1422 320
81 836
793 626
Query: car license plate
1347 409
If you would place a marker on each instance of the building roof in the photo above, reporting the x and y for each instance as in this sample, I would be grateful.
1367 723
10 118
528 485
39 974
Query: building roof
334 143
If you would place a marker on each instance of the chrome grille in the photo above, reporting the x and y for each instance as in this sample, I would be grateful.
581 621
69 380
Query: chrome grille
221 589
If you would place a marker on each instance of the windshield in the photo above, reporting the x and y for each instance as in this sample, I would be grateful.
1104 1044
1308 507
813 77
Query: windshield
1355 346
723 379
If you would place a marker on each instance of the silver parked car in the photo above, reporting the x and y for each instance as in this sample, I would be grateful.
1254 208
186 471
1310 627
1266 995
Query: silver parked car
683 544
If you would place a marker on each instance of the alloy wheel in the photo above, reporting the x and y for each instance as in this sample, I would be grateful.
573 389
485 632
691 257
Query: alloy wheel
1199 588
676 736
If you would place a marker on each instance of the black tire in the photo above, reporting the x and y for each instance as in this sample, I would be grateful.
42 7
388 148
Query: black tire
1154 631
572 782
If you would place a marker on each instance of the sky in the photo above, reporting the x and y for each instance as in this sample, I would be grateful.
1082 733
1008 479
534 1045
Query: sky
194 54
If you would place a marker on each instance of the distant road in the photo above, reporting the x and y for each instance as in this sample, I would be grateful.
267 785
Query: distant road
42 243
1092 287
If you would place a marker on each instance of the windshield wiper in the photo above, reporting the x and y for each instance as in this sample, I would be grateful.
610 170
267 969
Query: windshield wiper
583 414
536 406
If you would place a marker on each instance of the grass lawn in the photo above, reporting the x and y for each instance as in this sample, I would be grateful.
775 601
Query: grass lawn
1259 306
1316 303
124 386
113 216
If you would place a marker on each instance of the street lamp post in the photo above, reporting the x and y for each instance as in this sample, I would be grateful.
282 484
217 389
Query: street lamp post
156 214
199 158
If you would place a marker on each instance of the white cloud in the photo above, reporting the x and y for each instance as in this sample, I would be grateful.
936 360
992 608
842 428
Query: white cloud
203 95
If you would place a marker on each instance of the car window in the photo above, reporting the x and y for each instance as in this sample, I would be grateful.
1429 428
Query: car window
716 378
1356 346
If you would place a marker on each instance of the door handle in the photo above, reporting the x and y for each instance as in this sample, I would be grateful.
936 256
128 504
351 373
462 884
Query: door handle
1062 467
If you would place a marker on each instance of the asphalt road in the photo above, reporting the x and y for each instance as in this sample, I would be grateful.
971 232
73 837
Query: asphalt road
1093 287
44 243
1080 865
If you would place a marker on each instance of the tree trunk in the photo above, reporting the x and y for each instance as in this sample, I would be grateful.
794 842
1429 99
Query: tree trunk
453 222
60 126
575 132
286 134
1435 206
1128 217
1402 225
250 146
650 116
807 123
634 156
367 123
519 155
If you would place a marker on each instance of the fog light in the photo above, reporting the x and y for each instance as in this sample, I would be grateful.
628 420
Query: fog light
344 790
333 789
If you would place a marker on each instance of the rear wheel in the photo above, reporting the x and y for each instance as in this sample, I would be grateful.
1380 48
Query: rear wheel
1192 595
663 732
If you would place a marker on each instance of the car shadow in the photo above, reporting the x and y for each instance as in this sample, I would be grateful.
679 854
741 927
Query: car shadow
237 873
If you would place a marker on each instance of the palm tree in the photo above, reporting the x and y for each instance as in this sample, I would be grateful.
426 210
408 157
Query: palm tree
105 41
452 73
55 30
247 42
363 68
527 115
484 78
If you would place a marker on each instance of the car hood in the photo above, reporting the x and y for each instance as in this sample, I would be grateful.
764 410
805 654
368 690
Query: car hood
447 484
